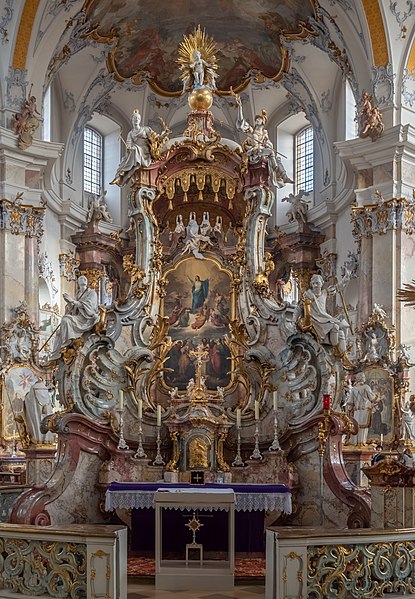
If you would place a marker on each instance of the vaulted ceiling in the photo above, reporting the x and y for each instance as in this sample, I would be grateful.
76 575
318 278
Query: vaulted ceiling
144 36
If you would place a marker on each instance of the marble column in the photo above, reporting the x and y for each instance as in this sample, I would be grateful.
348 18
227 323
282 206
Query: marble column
12 272
383 221
31 279
23 176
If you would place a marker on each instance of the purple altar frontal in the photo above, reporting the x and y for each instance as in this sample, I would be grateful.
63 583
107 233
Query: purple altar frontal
251 503
248 497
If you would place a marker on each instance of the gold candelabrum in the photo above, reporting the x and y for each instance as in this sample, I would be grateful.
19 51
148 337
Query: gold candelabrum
323 432
322 438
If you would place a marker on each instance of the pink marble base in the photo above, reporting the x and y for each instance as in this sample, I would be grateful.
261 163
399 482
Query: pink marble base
70 495
40 464
272 468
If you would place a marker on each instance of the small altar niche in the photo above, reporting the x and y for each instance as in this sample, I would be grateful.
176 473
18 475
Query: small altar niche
199 450
198 427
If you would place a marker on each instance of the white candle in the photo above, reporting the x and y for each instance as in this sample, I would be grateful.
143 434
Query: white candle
275 401
256 405
159 415
140 408
381 438
121 399
238 418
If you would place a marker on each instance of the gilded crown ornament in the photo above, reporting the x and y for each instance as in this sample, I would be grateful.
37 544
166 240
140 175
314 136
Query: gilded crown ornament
263 116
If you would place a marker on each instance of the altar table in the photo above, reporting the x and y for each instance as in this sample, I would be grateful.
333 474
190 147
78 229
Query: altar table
204 574
251 502
249 497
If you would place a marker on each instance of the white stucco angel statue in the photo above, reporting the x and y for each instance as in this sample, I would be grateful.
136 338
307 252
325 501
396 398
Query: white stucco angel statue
37 405
80 316
372 346
379 311
361 404
298 209
408 419
328 328
98 209
259 146
140 140
194 238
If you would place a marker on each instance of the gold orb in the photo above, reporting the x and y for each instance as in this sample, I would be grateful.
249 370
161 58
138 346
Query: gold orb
200 99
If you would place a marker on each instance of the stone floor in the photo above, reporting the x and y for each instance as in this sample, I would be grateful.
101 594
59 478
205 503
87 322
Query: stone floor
141 590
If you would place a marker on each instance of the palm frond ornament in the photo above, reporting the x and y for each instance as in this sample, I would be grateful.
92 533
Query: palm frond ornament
407 294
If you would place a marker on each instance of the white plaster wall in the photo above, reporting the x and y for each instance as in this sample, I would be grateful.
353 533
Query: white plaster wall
384 271
112 156
344 244
51 245
405 315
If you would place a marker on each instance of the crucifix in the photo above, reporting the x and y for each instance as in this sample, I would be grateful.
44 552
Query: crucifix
197 477
200 354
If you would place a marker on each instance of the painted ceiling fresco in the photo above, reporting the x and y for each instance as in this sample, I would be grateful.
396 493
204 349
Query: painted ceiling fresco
247 34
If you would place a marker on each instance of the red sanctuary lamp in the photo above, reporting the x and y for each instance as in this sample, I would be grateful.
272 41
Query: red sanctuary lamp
326 402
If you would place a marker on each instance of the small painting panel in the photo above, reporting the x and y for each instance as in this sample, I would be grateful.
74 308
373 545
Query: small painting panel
381 426
198 305
16 385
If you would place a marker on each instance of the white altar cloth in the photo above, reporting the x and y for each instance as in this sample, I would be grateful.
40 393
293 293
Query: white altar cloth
248 498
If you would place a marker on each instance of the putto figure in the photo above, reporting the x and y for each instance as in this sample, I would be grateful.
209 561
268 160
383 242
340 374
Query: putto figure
26 122
259 146
369 118
197 61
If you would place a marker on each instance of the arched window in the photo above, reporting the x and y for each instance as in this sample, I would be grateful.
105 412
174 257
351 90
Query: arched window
351 129
92 161
304 160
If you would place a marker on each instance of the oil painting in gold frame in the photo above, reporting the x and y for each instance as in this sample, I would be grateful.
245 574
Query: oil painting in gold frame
16 384
199 306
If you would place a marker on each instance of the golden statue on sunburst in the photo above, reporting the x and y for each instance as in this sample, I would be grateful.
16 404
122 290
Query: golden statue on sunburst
197 61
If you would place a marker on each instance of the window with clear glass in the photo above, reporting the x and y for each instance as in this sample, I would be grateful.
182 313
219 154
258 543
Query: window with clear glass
92 161
304 160
47 115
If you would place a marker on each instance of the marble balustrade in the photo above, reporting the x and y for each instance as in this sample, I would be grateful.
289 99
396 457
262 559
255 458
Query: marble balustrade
321 563
72 561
